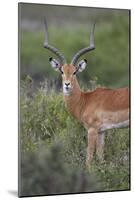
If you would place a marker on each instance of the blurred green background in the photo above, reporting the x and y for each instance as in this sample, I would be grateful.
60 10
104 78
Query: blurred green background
52 143
69 29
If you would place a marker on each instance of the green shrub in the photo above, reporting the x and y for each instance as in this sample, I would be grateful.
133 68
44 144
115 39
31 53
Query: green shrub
48 133
43 172
115 170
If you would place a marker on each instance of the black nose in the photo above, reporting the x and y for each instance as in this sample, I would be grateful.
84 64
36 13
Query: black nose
67 84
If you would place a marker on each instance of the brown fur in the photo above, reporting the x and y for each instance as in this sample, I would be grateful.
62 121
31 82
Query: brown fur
97 110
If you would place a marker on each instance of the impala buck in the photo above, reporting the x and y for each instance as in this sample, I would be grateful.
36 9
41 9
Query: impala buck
98 110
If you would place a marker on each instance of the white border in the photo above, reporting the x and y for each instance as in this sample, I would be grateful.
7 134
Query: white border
9 96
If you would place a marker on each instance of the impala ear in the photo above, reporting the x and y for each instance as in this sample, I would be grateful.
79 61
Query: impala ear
54 63
81 65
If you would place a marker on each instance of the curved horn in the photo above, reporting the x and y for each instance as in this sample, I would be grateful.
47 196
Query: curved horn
85 50
51 48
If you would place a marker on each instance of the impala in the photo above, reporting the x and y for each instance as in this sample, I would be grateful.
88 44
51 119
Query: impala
97 110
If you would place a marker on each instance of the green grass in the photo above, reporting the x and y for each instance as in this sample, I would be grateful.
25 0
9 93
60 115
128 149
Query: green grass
53 149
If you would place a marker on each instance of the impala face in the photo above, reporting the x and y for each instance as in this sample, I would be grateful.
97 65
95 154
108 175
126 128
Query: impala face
68 73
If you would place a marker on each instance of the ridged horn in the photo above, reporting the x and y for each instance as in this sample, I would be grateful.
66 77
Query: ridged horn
86 49
52 48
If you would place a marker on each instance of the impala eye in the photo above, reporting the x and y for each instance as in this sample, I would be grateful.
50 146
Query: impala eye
74 73
61 71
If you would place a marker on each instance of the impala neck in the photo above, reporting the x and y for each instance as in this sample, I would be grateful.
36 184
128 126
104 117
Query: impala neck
73 100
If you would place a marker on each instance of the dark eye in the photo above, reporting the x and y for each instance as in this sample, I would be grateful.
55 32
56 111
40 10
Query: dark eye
61 71
74 73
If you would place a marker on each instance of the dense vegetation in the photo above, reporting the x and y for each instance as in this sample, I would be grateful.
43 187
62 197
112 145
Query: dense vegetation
53 149
52 143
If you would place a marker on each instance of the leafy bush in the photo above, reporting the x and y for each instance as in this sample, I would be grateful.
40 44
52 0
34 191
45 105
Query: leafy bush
44 172
53 149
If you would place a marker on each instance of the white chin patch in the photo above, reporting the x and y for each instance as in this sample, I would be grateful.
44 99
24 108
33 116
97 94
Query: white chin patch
67 91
